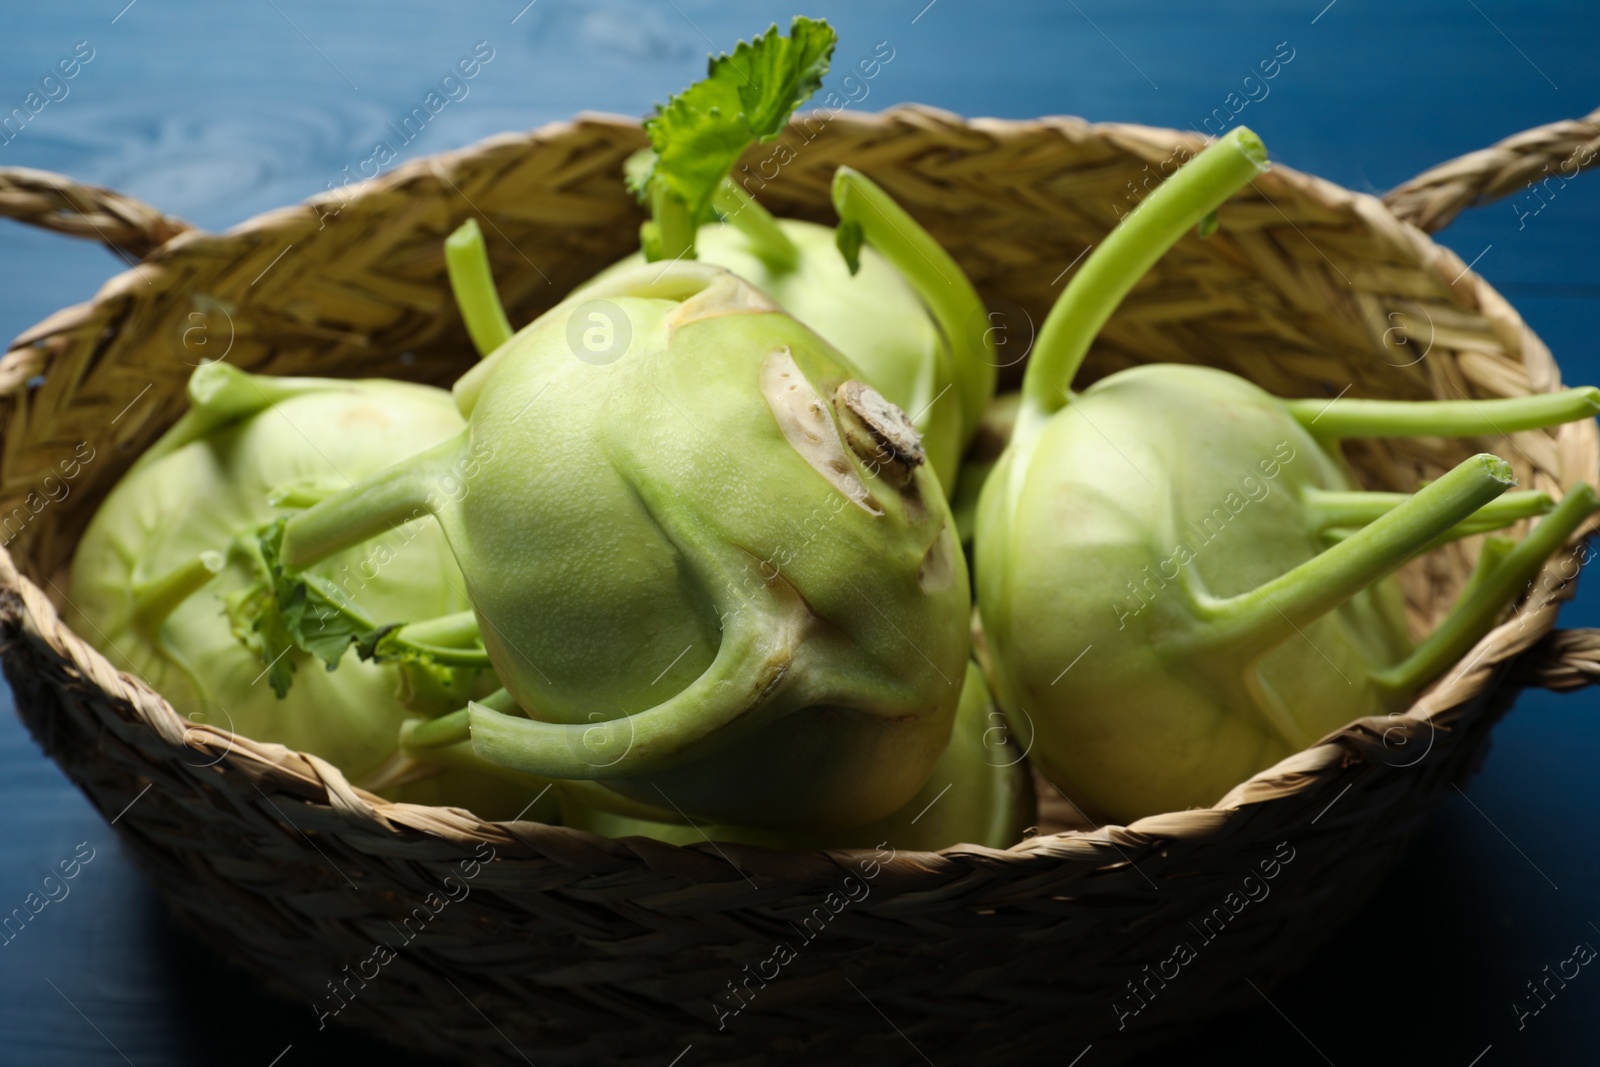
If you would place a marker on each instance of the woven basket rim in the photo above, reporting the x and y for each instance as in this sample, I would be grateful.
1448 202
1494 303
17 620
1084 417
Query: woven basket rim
28 608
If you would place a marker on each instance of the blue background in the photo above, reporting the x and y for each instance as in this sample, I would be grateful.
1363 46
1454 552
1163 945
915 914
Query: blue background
215 112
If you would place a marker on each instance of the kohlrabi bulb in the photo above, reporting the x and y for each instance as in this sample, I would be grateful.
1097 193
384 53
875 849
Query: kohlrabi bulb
1177 583
176 539
980 793
708 563
1105 564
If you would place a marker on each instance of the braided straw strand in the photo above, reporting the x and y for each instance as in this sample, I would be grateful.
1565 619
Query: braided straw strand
1556 152
56 202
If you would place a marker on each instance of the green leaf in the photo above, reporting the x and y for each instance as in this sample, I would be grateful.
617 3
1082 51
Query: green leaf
281 612
315 619
257 624
848 238
699 135
636 172
774 74
1208 225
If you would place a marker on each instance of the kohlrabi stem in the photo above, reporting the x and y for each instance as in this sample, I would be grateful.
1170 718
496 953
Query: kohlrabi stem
1475 613
1482 521
673 222
1331 507
451 729
935 277
155 600
447 631
1272 612
1471 526
440 655
766 237
466 259
448 640
299 494
1494 550
1444 418
220 393
1143 236
390 498
746 679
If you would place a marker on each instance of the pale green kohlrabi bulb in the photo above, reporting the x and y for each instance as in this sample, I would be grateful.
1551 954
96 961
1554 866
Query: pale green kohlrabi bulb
1159 595
175 539
1092 556
708 563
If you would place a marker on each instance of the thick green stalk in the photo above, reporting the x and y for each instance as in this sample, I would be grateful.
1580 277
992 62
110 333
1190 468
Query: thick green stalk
935 277
417 736
1494 550
447 631
672 225
1332 507
1444 418
155 600
220 393
1475 613
302 494
466 260
746 679
1469 527
397 646
766 237
1144 235
1273 611
446 740
393 497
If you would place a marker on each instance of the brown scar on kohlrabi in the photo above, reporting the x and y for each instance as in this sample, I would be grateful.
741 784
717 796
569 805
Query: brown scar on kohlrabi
803 417
879 433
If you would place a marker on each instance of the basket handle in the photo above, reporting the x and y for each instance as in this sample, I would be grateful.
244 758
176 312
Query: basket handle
1562 660
56 202
1435 197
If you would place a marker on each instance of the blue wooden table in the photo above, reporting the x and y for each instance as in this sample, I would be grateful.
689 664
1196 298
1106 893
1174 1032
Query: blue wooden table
215 112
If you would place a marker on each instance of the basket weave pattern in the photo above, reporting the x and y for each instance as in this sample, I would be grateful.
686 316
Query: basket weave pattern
583 950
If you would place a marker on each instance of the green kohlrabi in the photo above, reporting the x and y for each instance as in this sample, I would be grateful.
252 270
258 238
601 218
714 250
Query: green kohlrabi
174 547
1179 585
881 290
710 566
980 793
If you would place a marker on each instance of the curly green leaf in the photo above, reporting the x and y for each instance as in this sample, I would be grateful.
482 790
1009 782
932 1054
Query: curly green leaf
699 134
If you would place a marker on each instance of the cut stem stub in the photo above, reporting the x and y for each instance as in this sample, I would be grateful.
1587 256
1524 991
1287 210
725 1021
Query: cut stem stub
466 260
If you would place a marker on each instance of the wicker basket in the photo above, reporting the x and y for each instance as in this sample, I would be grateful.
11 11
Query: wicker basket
574 949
